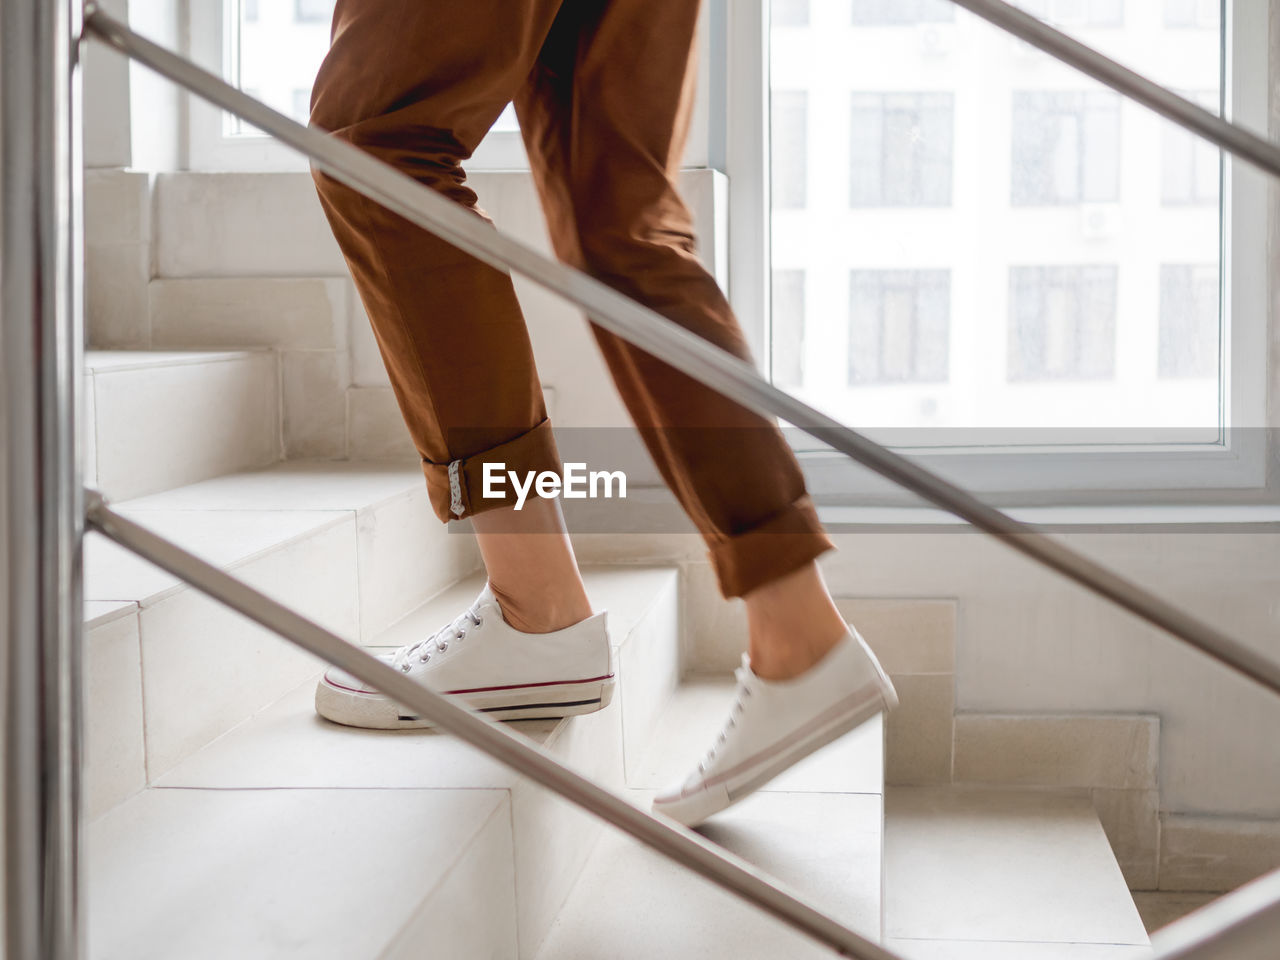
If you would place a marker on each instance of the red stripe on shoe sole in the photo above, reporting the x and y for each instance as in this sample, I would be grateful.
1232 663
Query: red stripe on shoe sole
511 686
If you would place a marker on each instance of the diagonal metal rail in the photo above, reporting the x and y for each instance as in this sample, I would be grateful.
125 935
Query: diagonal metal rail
683 846
688 352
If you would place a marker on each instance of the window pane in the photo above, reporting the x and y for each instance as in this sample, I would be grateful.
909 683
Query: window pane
314 11
1066 147
789 13
895 12
900 150
1063 323
1189 320
788 154
982 231
282 43
899 326
788 327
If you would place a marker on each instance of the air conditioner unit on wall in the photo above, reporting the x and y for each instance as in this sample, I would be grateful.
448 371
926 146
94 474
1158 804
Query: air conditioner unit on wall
1099 221
935 39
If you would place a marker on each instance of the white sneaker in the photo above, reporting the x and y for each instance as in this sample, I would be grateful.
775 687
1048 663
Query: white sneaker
775 723
488 665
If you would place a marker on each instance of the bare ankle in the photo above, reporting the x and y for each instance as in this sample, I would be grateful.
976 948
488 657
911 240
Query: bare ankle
793 624
541 611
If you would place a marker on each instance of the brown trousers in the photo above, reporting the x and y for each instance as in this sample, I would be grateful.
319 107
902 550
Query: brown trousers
603 90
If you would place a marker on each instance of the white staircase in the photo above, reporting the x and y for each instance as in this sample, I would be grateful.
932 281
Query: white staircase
227 820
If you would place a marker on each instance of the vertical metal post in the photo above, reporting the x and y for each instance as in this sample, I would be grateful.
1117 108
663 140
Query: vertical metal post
41 337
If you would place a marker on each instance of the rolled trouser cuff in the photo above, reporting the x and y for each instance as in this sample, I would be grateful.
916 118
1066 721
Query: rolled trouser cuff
780 545
456 487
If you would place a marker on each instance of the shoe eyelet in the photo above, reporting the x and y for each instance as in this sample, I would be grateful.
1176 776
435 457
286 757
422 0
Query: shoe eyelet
442 646
405 667
479 621
425 658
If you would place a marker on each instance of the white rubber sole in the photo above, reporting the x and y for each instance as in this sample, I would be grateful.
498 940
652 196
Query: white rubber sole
374 711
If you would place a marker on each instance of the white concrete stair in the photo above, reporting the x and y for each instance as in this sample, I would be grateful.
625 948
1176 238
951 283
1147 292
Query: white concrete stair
993 874
817 828
291 836
155 420
353 546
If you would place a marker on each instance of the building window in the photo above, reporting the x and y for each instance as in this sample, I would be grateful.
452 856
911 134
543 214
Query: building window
789 148
900 150
1204 14
1062 323
313 11
1189 325
1078 13
899 326
788 327
1190 167
1066 148
789 13
302 105
881 13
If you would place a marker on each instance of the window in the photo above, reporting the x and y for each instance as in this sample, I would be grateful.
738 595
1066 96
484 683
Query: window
898 326
1041 196
1203 14
1190 168
302 105
900 151
788 327
873 13
1066 147
1189 320
1083 13
313 11
789 148
1062 323
789 13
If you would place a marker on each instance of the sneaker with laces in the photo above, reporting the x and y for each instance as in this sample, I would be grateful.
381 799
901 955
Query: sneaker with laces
775 723
489 666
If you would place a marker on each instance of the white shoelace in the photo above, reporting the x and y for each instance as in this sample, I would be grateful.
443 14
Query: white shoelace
745 679
438 642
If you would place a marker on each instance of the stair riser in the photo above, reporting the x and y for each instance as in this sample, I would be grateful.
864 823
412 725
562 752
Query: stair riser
159 427
200 670
553 837
472 912
205 668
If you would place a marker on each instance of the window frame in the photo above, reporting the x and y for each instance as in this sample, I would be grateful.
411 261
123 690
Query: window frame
1233 465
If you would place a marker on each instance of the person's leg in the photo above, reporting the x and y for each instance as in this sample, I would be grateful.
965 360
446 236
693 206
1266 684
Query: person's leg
604 117
418 85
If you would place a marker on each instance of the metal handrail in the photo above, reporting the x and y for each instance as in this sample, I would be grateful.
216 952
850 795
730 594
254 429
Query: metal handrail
686 352
655 334
42 618
1243 925
681 845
